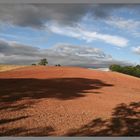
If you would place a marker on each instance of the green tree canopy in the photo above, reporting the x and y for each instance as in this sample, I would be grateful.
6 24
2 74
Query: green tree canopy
43 62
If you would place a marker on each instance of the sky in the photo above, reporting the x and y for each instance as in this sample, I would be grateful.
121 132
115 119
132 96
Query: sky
86 35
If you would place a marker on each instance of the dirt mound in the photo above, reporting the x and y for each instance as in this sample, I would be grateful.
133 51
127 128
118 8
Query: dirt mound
68 101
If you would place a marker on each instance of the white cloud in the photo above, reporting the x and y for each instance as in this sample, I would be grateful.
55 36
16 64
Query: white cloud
136 50
64 54
128 25
85 56
123 23
88 36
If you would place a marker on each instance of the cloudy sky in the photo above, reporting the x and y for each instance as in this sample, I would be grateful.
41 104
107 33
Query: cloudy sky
94 35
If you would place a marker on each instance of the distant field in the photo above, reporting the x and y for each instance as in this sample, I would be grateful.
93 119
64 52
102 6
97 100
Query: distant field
10 67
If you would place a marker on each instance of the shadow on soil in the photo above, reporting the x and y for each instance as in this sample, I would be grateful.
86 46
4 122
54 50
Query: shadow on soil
30 91
20 131
125 121
14 90
62 88
5 121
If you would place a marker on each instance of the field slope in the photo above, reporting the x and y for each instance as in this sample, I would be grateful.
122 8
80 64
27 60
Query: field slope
9 67
68 101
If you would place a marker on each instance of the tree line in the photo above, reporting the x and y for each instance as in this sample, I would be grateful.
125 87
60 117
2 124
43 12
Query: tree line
130 70
44 62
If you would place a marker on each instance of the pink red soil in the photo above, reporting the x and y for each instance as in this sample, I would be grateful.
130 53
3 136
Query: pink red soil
68 101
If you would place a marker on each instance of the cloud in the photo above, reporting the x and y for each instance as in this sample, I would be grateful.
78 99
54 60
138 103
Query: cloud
130 26
13 48
64 54
18 59
84 56
12 52
125 24
136 50
88 36
37 15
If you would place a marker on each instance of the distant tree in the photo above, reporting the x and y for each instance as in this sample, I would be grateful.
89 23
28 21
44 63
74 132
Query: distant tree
57 65
115 67
138 66
33 64
130 70
43 62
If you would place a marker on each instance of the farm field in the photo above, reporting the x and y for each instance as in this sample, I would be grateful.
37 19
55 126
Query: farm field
10 67
68 101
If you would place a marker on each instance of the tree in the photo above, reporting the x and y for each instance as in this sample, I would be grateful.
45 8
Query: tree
58 65
138 66
130 70
115 67
43 62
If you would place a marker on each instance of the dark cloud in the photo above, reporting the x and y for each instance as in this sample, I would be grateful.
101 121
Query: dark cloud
12 48
64 54
37 15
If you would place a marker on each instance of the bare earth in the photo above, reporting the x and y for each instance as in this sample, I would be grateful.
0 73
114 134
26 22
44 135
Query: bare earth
68 101
10 67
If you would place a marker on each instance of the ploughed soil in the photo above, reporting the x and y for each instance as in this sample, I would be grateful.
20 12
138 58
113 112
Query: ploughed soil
10 67
68 101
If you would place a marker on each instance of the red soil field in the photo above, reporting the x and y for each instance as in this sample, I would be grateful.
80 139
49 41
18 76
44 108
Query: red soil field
68 101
